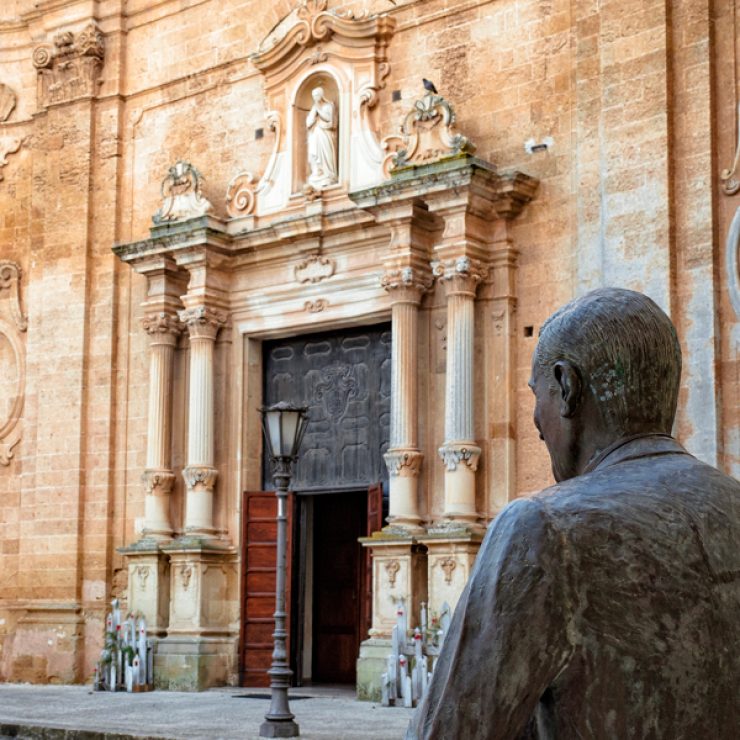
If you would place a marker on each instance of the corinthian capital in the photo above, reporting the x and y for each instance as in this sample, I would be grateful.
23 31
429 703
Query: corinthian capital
460 454
162 325
404 463
406 282
460 274
200 477
203 321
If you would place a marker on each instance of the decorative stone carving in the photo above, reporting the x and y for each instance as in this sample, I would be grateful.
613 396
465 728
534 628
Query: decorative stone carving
203 321
162 323
448 565
8 145
240 195
243 192
7 102
316 306
158 481
391 568
403 462
200 477
454 455
462 270
427 135
142 573
186 573
406 277
730 177
70 67
12 359
182 196
314 269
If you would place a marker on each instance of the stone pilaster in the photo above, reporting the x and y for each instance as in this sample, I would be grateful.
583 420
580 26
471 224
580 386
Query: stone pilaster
403 458
163 330
200 475
459 452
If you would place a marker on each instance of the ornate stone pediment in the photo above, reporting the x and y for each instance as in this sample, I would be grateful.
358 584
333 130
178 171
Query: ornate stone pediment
322 72
70 67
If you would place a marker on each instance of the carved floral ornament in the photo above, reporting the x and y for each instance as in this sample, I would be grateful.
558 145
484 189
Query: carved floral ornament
70 67
391 568
448 565
427 135
13 324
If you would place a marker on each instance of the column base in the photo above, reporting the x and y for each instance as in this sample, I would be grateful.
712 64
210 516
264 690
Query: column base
148 583
399 577
371 664
196 663
450 558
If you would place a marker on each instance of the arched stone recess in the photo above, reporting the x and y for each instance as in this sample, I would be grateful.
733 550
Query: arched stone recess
344 54
13 325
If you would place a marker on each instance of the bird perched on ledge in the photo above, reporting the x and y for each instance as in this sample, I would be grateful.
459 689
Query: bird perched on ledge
429 85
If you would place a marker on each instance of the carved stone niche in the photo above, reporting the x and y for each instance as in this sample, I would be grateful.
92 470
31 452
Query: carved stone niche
70 67
13 324
317 64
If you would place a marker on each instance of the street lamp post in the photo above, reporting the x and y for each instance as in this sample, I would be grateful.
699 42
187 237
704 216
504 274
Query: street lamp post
284 426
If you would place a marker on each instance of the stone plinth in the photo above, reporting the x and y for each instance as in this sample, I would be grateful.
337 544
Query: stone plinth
149 584
450 557
399 576
201 646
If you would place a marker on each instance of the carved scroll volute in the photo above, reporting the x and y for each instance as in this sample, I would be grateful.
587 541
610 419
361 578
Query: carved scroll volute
13 324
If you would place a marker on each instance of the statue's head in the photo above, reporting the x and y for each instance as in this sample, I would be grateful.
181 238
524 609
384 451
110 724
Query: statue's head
317 94
607 366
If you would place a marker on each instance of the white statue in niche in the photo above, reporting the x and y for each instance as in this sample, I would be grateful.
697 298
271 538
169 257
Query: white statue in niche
322 141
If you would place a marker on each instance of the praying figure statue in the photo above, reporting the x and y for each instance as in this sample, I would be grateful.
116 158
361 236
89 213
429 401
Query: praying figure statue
321 124
608 605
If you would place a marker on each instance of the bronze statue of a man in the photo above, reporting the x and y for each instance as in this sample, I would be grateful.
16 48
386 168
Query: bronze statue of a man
606 606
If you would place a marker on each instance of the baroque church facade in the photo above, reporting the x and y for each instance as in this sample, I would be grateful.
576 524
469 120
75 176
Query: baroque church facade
367 208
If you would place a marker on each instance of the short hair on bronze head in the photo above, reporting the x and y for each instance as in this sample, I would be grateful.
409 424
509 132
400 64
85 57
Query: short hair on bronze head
627 351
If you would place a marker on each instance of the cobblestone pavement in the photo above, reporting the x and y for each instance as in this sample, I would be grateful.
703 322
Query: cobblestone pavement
77 712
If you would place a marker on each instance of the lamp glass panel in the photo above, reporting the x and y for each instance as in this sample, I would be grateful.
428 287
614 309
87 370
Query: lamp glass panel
272 423
289 423
303 423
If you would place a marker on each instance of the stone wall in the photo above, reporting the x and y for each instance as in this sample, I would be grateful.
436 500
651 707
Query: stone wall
639 98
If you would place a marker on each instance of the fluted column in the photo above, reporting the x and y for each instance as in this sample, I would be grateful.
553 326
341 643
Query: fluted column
163 330
200 474
403 458
459 452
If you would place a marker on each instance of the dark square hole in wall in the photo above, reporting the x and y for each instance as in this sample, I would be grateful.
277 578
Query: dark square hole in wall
259 133
396 96
528 331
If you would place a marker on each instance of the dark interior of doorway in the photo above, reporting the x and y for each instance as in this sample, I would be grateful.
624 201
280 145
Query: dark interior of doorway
332 575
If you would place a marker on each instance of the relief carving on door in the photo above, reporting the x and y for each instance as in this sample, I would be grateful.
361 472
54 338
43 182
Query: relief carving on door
344 379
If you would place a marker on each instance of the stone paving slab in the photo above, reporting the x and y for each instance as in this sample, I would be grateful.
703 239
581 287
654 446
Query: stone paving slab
76 713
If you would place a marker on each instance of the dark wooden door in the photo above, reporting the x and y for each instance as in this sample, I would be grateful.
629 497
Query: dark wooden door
339 519
345 380
374 524
259 538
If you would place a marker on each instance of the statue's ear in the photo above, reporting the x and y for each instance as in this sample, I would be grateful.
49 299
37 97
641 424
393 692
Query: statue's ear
571 387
